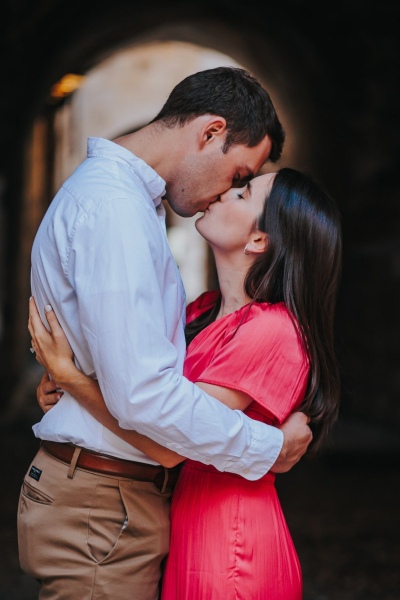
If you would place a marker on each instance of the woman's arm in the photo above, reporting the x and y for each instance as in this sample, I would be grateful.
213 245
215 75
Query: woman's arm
87 392
55 354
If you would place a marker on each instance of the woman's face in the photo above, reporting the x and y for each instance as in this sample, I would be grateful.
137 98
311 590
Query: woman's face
228 222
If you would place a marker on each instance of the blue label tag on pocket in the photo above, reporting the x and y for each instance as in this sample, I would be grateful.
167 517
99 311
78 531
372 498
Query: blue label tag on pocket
35 473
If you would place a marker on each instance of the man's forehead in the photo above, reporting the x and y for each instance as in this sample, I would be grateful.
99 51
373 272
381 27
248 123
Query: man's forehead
249 171
256 156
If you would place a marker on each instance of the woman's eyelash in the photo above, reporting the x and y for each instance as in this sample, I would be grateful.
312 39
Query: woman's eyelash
240 196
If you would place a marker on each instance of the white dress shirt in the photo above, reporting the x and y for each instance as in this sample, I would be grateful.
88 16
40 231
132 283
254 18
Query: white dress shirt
102 260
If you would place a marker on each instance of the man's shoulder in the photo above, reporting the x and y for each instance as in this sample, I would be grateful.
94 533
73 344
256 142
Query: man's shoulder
95 185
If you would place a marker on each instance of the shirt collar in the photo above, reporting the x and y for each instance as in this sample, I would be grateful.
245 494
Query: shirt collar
155 185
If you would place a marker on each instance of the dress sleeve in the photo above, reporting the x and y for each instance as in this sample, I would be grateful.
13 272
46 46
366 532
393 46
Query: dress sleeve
199 306
263 358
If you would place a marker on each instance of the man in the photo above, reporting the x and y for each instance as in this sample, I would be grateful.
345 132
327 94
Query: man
93 516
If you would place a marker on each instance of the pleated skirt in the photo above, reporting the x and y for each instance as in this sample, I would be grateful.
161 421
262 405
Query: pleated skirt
229 540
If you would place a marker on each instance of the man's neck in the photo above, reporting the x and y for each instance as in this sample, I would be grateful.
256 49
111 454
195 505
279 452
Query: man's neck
153 144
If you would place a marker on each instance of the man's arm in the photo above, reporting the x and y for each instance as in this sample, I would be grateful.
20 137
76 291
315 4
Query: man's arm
87 391
296 433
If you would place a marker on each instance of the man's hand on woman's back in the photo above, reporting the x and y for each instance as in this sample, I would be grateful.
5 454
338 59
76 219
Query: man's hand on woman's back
296 438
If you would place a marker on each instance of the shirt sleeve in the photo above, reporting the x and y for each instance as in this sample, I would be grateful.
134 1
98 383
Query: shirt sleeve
117 272
263 358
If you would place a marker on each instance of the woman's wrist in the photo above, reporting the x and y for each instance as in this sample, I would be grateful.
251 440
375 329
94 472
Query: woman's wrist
65 374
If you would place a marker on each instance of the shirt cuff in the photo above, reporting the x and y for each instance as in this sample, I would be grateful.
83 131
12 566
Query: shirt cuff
265 446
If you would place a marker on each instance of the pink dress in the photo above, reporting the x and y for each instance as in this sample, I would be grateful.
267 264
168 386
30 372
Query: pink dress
229 538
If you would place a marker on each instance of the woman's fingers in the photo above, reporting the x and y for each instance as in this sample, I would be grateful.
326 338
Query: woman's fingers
47 393
52 320
48 386
52 346
35 326
47 402
34 317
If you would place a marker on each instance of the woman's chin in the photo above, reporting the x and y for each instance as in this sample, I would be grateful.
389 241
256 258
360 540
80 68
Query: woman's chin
200 218
201 228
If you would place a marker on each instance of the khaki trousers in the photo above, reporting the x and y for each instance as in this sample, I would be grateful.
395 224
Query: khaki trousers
91 536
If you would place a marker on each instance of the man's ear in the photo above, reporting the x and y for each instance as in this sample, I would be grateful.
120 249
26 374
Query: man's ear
258 242
213 129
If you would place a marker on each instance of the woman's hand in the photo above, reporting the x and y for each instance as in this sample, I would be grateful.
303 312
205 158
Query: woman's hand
52 349
47 393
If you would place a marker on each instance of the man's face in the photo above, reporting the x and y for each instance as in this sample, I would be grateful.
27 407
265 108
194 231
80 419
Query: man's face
203 176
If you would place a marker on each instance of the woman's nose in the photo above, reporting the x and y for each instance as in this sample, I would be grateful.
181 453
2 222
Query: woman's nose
224 196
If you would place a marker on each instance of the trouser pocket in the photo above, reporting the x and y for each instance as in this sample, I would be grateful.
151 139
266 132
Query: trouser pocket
30 493
34 510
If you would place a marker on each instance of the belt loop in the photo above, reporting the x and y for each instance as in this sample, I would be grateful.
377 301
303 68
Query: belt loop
74 460
165 482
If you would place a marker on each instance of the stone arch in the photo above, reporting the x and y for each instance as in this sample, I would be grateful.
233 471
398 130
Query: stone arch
278 67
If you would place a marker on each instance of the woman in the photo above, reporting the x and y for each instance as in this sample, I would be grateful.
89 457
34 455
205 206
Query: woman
263 344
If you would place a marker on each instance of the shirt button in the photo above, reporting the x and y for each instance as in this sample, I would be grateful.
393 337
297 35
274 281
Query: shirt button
245 471
208 460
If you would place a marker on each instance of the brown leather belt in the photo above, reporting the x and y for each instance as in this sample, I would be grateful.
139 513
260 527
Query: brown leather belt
162 477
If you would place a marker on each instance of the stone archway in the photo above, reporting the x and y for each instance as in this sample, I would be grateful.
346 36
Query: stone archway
59 136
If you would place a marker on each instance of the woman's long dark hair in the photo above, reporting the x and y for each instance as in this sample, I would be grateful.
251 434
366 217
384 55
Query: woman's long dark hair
301 267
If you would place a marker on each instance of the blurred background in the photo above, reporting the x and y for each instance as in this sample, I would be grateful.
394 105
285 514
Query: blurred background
78 68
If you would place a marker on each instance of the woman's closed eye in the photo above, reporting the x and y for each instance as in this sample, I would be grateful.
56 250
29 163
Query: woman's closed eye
244 189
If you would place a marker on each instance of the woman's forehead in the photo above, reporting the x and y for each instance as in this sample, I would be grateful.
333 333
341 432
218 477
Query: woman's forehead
263 183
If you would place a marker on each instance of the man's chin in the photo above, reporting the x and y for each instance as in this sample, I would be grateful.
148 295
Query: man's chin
183 211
